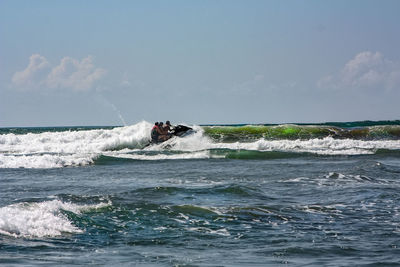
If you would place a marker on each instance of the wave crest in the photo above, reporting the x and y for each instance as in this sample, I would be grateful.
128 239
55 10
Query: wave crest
40 219
303 132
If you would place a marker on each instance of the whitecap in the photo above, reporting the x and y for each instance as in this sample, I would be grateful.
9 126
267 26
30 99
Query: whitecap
41 219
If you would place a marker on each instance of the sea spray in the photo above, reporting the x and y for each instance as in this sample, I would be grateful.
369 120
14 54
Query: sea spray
108 103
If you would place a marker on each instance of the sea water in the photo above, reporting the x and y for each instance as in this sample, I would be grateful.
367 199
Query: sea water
238 195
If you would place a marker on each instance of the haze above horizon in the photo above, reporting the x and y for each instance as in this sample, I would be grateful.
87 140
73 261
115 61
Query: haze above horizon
198 62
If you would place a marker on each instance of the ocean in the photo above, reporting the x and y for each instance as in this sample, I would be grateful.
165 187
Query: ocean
224 195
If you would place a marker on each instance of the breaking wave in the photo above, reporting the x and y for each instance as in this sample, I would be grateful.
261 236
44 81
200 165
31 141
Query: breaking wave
41 219
303 132
55 147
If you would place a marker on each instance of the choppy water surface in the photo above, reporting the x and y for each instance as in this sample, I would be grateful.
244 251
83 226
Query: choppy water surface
100 197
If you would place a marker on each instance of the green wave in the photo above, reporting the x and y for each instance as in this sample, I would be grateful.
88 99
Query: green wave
293 131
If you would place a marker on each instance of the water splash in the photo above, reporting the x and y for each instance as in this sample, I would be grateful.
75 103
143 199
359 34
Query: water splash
107 102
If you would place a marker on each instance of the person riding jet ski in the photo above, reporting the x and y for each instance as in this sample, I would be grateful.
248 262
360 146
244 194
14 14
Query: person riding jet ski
157 134
161 132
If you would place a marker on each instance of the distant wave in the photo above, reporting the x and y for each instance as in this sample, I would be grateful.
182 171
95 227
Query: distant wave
80 146
293 131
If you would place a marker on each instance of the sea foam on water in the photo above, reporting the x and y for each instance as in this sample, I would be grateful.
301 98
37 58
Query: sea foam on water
55 149
39 219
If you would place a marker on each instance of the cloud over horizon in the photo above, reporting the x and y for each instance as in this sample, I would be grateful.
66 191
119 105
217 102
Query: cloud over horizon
367 70
69 74
29 77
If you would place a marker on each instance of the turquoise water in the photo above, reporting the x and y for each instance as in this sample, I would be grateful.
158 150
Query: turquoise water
98 197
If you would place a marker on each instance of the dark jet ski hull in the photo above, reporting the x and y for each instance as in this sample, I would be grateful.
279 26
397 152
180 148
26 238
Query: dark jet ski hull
179 130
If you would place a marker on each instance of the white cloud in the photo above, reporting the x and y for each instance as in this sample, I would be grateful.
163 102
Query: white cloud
74 74
32 75
366 70
69 74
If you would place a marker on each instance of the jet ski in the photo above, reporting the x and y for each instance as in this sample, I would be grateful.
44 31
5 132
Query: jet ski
179 130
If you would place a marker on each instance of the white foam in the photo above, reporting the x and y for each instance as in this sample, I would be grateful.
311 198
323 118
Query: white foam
76 141
77 148
45 161
69 148
325 146
39 219
188 155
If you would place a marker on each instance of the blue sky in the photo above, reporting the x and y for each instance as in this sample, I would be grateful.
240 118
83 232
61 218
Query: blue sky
116 62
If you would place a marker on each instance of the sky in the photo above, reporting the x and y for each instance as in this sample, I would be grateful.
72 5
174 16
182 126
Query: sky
91 63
